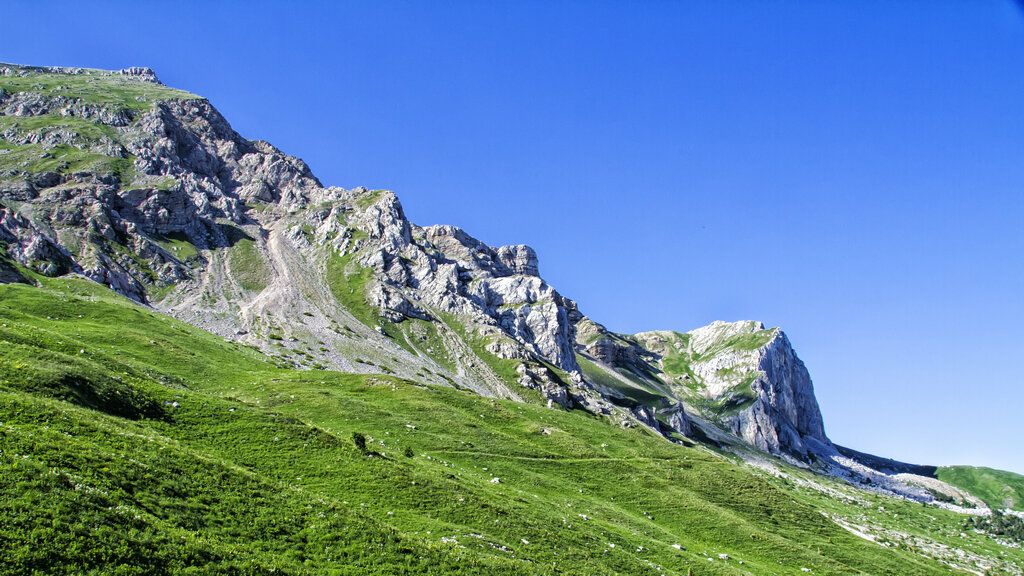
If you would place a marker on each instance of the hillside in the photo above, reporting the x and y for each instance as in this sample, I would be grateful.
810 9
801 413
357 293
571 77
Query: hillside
998 488
211 363
158 447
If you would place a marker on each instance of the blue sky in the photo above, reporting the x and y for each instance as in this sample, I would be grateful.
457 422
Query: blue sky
849 171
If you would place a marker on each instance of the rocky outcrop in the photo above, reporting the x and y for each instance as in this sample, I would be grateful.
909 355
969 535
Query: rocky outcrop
745 378
679 422
31 246
785 416
447 269
543 380
613 353
175 168
519 259
139 73
531 312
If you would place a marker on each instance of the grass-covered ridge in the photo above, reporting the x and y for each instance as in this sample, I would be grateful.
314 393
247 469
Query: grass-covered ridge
217 462
70 138
65 159
997 488
88 85
739 337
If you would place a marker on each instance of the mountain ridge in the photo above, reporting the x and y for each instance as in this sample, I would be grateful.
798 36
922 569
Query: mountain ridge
312 346
237 237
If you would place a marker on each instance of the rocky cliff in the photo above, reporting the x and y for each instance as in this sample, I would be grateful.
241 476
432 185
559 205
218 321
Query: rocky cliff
755 384
149 191
739 377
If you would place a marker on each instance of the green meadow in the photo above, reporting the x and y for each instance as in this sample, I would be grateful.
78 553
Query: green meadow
131 443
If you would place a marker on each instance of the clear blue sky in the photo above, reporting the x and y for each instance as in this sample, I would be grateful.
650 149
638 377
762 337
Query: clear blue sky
850 171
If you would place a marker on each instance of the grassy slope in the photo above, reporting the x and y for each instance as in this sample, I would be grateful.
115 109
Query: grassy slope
633 388
92 87
906 525
999 489
247 265
254 469
347 281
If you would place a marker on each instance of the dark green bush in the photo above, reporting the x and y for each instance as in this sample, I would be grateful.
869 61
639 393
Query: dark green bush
359 440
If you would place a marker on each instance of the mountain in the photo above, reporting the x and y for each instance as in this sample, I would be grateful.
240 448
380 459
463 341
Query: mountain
257 304
149 191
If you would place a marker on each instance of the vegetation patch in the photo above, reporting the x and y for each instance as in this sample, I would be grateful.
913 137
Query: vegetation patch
179 245
248 267
65 159
504 368
369 199
677 362
425 338
348 282
997 488
94 87
85 130
999 524
739 342
636 392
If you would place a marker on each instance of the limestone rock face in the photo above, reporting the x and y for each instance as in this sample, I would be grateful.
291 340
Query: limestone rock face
749 380
519 259
786 414
611 352
140 73
530 311
174 168
29 245
679 422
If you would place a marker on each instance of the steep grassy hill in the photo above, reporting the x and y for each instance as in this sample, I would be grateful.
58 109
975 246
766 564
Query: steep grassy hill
133 443
998 488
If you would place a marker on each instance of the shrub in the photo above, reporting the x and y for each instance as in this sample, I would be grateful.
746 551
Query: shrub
359 440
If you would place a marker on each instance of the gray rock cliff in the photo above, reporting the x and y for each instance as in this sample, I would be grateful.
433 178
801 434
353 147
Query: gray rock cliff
785 416
745 378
